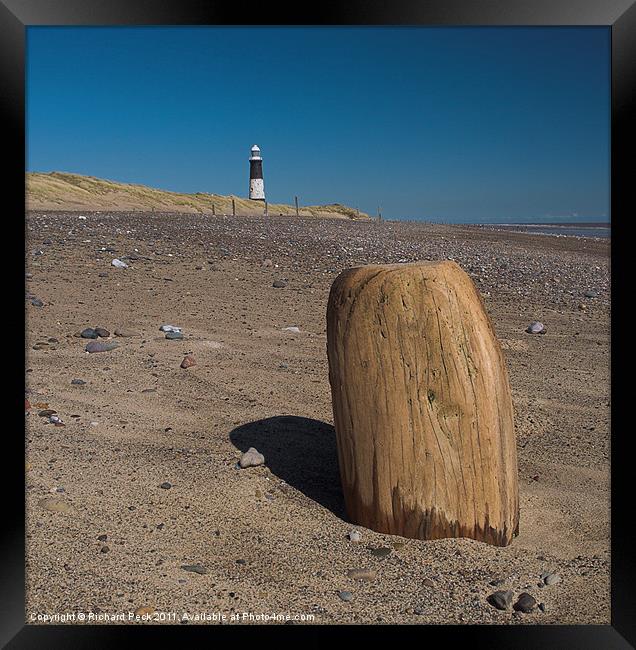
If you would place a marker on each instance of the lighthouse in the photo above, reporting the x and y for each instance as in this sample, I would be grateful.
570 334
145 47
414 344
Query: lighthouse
257 189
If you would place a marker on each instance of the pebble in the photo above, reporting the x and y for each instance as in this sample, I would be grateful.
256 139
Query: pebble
362 574
355 535
77 382
345 595
552 579
427 582
119 264
88 333
55 504
124 332
194 568
166 485
279 284
169 328
102 538
188 361
525 603
381 552
47 413
267 262
104 549
536 327
97 346
591 294
101 332
294 329
36 302
251 458
174 336
500 599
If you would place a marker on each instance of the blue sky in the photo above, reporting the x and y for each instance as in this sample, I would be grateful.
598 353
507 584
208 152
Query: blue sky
448 124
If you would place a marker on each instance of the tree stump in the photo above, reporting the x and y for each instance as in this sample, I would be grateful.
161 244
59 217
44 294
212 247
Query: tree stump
422 404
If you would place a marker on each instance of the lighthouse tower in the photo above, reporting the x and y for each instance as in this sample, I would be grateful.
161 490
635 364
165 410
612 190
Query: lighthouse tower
257 189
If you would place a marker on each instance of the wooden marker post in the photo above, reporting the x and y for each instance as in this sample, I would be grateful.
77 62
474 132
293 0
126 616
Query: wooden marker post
422 404
296 202
233 208
213 210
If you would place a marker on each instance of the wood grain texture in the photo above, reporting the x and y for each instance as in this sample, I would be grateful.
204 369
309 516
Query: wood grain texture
422 404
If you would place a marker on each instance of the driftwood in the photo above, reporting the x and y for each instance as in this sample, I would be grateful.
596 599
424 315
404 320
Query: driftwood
422 405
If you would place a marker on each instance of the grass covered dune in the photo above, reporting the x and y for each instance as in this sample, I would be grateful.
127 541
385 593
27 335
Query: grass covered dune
64 191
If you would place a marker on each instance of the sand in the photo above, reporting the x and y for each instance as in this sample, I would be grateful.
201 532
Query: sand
272 540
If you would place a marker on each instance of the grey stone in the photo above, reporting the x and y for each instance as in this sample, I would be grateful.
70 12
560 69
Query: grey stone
345 595
355 535
552 579
194 568
174 336
169 328
536 327
500 599
251 458
78 382
98 346
279 284
88 333
525 603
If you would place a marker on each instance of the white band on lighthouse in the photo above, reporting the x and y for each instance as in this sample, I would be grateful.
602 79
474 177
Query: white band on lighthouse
257 189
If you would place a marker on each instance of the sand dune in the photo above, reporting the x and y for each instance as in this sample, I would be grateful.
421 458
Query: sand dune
73 192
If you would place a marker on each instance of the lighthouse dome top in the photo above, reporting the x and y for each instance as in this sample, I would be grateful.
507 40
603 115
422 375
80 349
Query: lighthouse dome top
256 152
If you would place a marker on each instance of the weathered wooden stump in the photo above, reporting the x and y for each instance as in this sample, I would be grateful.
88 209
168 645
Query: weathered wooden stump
422 404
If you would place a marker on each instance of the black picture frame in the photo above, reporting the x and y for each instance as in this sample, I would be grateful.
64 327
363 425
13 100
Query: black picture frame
618 15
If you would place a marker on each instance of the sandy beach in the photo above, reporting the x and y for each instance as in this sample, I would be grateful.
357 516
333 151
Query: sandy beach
142 480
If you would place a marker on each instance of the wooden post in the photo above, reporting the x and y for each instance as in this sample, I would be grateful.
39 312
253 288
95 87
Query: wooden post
233 208
296 202
213 210
266 212
422 404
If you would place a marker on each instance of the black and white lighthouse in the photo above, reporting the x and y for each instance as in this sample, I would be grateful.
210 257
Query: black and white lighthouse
257 188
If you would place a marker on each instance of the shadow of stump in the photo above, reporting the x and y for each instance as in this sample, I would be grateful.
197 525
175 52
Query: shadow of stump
300 451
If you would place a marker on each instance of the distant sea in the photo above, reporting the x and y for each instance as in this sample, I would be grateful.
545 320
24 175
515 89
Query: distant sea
601 228
596 229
